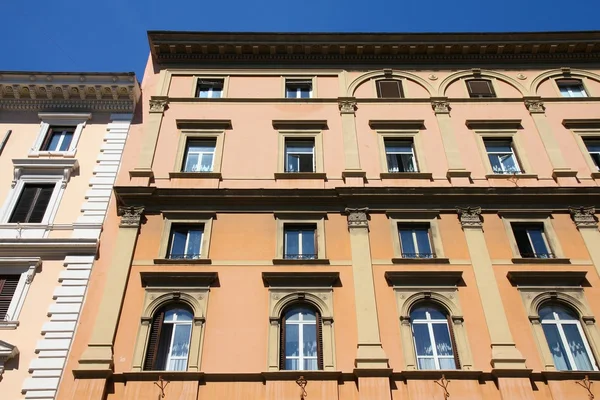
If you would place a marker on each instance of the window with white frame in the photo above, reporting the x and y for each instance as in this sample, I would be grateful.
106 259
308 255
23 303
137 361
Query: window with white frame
415 240
300 339
502 156
300 242
169 339
210 88
400 155
298 88
531 240
566 340
432 338
59 138
32 203
59 133
199 155
571 87
593 146
185 242
300 155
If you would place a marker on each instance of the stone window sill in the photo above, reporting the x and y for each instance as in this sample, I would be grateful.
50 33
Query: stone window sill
406 175
8 325
63 154
195 175
520 260
420 261
301 175
286 261
511 176
178 261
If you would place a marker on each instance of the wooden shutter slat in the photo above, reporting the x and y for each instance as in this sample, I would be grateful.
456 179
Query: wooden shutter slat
453 341
282 343
389 89
319 341
153 341
8 286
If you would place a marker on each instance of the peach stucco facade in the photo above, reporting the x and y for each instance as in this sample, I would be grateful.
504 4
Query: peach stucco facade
62 133
502 244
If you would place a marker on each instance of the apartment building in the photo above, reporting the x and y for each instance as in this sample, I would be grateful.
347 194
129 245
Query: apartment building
352 216
62 135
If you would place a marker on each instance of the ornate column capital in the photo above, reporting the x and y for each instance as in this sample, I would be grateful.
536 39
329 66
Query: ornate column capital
347 105
131 217
584 217
470 217
158 104
358 217
535 105
440 105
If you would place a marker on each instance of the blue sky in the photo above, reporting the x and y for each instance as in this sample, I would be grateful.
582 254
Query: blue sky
110 35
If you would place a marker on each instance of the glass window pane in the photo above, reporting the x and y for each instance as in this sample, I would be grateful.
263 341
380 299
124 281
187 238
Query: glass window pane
308 315
593 145
421 312
292 163
578 350
203 93
194 241
293 314
191 163
422 340
217 93
510 163
406 241
207 163
311 364
441 335
64 146
290 93
292 365
308 242
178 243
306 163
292 241
447 363
556 347
177 314
407 162
310 340
54 140
564 90
495 163
498 147
299 147
426 363
305 93
292 345
181 340
537 240
392 163
423 241
398 146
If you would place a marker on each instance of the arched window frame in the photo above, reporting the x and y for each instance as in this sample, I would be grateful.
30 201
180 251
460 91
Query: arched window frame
283 333
314 289
414 287
192 291
571 297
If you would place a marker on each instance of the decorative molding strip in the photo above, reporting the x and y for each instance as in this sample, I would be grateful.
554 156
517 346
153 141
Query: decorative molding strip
70 105
584 217
358 217
470 217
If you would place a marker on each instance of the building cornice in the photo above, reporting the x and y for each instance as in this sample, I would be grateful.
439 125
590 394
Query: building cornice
181 47
47 91
47 248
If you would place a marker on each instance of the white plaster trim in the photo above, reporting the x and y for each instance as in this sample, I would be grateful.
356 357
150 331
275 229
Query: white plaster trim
59 119
70 291
7 351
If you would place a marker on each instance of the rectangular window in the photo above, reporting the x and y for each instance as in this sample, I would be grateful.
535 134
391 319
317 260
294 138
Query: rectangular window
480 88
32 203
199 155
185 242
415 241
300 242
8 286
531 240
389 88
593 146
210 88
571 88
298 88
400 156
502 156
59 138
300 155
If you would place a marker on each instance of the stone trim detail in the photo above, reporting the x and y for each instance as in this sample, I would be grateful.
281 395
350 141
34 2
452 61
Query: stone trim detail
131 217
358 217
347 105
58 331
584 217
470 217
535 106
158 104
441 106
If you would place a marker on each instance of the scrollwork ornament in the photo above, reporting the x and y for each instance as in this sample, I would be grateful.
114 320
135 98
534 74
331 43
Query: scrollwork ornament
358 217
158 104
584 217
440 106
535 106
131 217
470 217
347 106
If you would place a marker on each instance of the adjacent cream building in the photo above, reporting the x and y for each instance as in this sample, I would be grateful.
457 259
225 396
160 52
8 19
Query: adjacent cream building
62 136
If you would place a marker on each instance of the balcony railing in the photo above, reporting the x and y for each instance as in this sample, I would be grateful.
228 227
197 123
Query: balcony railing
300 256
187 256
418 255
538 255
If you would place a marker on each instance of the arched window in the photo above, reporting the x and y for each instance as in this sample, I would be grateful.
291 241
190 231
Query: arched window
301 339
434 341
566 340
169 343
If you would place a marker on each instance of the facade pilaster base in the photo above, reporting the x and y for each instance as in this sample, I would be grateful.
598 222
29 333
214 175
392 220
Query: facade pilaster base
459 176
96 357
507 356
371 356
141 176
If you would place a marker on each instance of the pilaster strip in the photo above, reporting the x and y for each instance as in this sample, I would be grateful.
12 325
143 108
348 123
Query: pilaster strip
347 106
